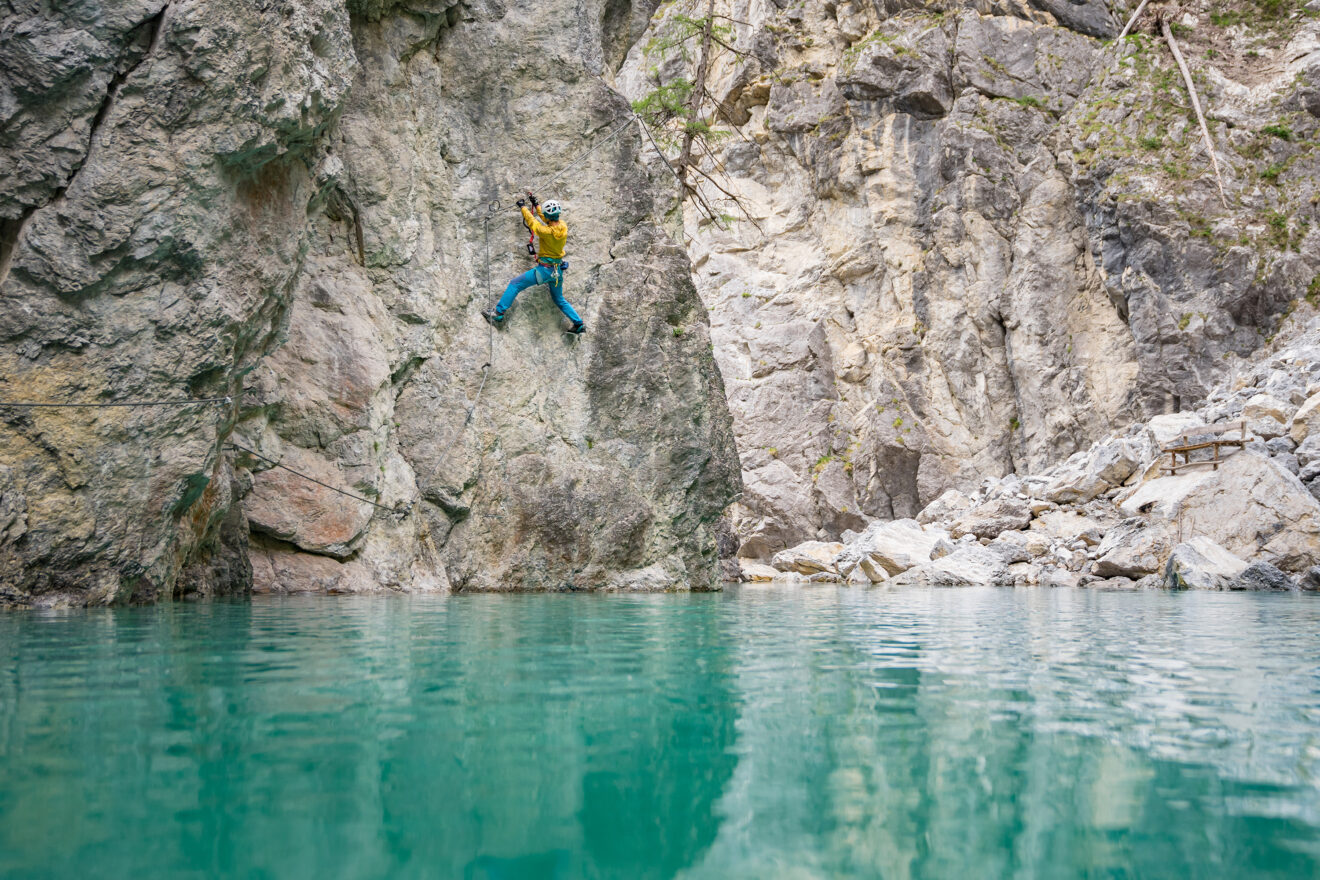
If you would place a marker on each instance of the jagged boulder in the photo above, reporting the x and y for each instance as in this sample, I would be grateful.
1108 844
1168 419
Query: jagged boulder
757 572
809 557
1262 576
1305 420
950 505
970 565
1097 470
1201 564
990 519
1132 549
888 548
1256 508
1164 429
1266 406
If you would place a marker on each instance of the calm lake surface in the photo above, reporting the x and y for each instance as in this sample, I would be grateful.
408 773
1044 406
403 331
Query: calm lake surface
764 733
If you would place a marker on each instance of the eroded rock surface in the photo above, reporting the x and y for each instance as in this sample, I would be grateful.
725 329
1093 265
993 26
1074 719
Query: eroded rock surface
286 205
980 240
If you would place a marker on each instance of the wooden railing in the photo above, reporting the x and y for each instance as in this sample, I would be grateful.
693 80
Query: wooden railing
1190 441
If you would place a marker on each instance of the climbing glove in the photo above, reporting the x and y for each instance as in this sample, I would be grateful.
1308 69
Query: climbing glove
531 198
522 203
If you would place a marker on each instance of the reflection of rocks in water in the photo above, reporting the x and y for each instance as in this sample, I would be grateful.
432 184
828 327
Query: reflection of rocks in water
837 732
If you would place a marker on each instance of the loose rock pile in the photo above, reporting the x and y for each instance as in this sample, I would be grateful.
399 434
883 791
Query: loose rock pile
1112 516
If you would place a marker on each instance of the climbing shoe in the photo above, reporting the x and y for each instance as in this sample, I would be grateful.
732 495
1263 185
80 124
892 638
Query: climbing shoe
492 318
578 328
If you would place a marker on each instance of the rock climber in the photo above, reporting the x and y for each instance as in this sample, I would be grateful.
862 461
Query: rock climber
551 236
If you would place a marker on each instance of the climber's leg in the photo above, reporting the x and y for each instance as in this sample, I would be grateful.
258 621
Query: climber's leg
516 286
557 294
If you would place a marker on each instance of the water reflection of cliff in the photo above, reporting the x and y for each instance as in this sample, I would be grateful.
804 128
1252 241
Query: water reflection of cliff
763 733
1048 734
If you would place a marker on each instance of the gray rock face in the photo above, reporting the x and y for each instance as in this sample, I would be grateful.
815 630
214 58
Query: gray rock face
1201 564
285 204
1263 576
979 242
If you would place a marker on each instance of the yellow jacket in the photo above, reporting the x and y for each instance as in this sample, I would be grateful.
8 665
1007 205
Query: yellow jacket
550 237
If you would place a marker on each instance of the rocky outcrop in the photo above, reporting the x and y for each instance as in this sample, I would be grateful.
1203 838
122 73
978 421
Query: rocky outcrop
1181 530
1247 522
287 206
978 240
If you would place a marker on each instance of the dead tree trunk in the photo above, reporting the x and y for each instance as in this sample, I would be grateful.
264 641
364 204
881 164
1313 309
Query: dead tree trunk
1127 27
1196 106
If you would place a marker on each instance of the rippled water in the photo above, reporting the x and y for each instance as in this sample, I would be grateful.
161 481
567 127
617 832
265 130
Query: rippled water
767 732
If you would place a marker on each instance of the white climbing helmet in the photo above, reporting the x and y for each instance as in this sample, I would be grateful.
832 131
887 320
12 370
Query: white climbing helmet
552 208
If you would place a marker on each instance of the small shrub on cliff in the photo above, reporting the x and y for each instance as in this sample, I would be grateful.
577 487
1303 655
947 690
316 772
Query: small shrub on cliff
1278 233
1282 132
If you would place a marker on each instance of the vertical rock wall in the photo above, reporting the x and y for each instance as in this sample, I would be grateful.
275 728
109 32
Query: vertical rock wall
978 241
286 204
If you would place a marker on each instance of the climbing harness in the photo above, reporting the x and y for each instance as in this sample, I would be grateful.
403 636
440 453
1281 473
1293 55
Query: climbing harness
557 268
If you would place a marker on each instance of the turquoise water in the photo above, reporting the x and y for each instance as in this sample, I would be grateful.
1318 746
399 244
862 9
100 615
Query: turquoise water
763 733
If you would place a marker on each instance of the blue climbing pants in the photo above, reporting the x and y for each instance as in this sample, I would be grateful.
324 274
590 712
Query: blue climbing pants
532 277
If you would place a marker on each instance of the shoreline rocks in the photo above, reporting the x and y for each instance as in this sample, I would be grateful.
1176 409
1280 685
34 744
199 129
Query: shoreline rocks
1111 517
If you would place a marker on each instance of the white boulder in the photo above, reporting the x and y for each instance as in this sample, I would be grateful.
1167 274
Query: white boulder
1201 564
888 548
1266 406
990 519
1132 549
809 557
950 505
1093 472
757 572
1305 420
970 565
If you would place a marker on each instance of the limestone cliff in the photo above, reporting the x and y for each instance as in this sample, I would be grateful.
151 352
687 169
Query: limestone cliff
983 236
286 204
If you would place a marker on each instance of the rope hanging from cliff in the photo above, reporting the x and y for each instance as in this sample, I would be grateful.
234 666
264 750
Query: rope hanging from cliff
495 205
5 404
602 142
275 463
490 335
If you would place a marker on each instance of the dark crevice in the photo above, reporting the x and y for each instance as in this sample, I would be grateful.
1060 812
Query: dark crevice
148 33
151 29
357 234
10 230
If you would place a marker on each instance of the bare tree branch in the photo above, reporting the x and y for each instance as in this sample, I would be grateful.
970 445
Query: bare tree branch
1196 105
1131 21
